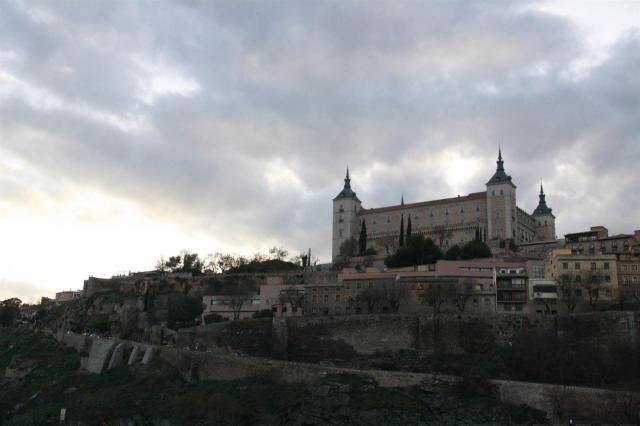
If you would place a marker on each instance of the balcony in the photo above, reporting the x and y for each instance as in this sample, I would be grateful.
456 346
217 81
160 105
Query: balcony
539 295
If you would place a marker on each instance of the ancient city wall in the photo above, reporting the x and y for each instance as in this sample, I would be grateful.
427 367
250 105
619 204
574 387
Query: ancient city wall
346 337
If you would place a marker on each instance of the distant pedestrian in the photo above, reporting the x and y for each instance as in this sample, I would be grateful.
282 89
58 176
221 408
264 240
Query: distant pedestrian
570 422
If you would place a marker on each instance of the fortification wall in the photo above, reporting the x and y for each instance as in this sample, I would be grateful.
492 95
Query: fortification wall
347 337
365 334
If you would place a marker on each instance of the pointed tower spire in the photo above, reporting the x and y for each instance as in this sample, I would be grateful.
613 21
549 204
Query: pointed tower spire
347 180
402 199
499 176
542 207
500 163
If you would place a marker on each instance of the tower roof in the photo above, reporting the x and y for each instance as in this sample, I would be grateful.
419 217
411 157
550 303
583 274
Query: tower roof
500 176
542 204
346 191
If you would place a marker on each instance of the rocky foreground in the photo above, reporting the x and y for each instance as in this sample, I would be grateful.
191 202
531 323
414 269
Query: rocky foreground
40 378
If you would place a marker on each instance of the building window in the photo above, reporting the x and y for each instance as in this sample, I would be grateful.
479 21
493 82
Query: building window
347 285
325 311
284 309
326 298
606 265
340 231
338 311
314 299
577 265
625 267
358 284
501 192
338 298
314 311
607 278
593 265
274 309
565 265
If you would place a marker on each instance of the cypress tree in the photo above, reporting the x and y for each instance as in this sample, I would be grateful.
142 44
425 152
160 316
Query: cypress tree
408 229
402 230
478 238
362 243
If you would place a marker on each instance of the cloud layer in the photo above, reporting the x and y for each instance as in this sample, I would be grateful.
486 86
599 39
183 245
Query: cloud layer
136 129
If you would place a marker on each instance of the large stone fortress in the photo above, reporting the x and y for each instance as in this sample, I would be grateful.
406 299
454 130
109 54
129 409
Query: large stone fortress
447 222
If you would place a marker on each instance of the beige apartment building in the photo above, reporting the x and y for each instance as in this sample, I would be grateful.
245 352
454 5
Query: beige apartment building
482 286
629 277
598 240
582 273
283 300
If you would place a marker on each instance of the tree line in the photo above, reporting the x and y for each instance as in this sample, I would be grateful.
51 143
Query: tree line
275 260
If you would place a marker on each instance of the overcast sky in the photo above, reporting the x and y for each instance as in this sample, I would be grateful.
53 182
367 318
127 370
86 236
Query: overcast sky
130 130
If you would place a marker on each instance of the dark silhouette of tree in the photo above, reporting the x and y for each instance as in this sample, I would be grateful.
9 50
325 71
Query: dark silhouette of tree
401 242
293 297
593 284
278 253
462 294
435 295
9 311
475 249
372 296
238 294
454 253
418 251
349 247
394 293
408 228
362 242
184 310
569 287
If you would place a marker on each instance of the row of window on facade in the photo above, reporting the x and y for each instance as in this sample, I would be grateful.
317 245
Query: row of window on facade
431 214
633 279
603 246
565 265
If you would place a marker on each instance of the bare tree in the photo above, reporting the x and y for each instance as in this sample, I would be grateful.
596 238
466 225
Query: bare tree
462 294
632 291
436 295
372 296
278 253
161 264
569 286
593 283
394 293
236 295
222 262
294 297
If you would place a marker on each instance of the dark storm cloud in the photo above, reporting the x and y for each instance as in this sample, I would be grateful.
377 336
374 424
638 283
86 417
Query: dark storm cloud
191 108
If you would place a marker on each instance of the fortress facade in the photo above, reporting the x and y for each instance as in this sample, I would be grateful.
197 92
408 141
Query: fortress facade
450 221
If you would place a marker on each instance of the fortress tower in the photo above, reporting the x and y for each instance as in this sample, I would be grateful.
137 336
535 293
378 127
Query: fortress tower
346 207
501 204
545 220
